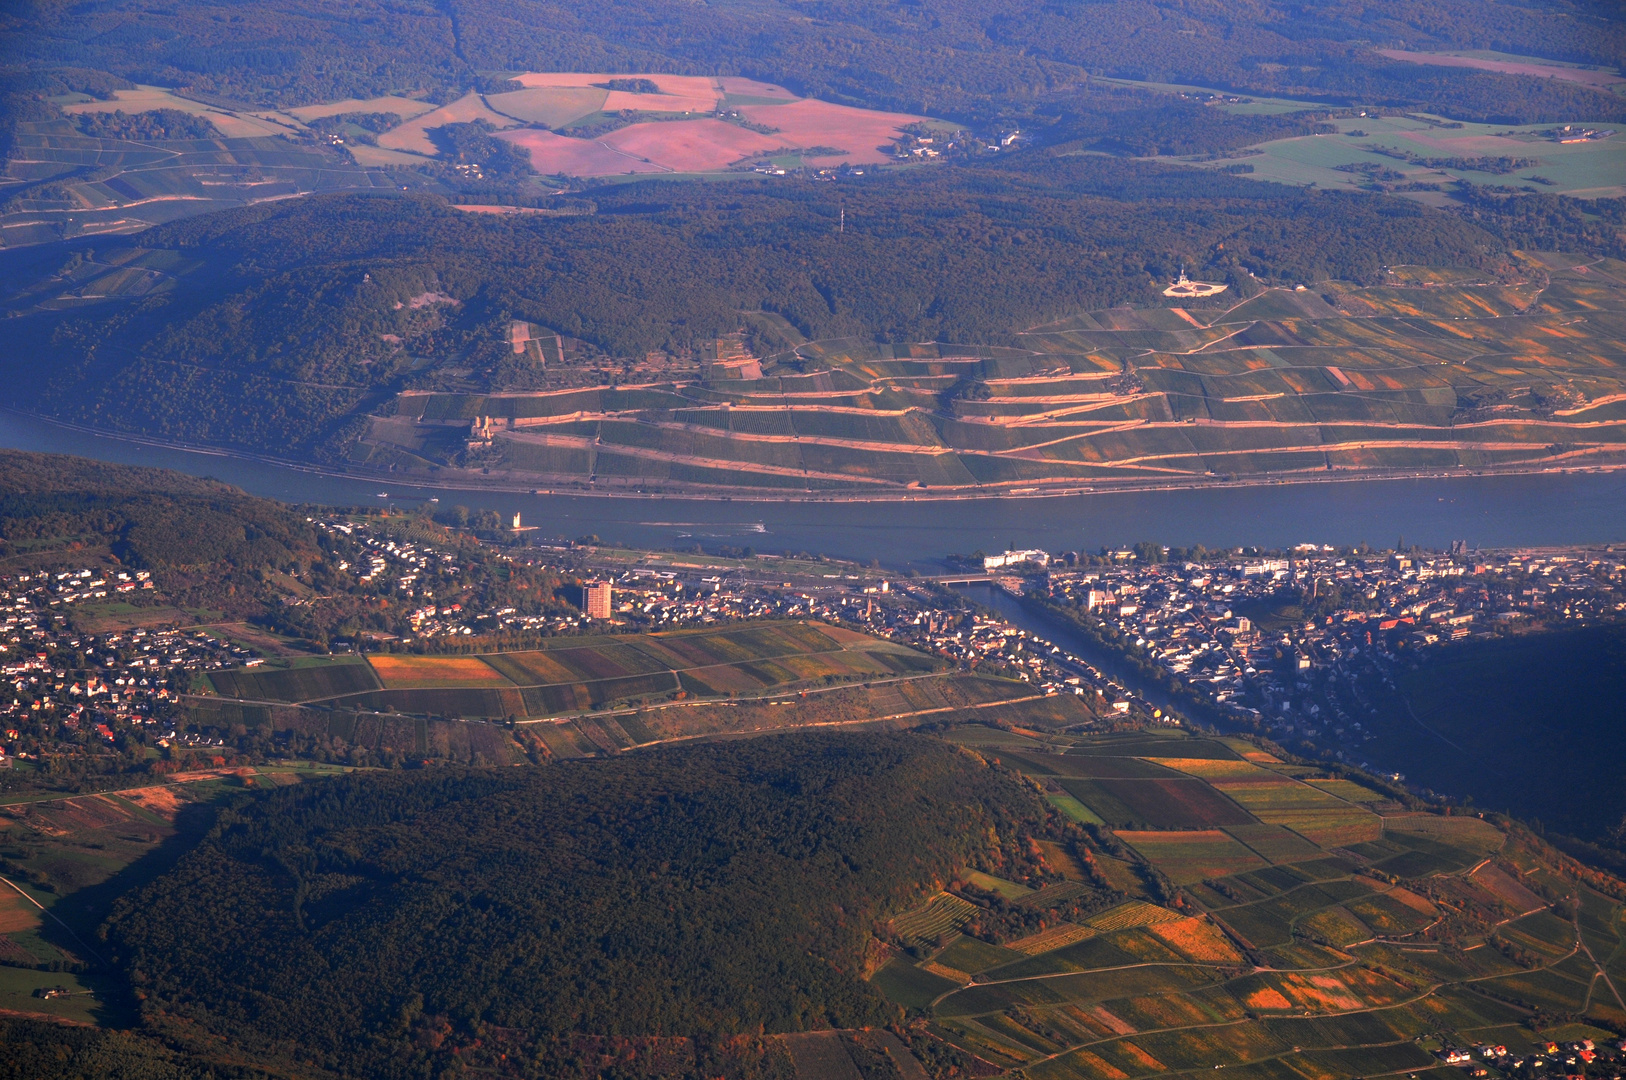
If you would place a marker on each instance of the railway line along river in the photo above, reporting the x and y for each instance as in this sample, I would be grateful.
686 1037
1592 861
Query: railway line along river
1512 510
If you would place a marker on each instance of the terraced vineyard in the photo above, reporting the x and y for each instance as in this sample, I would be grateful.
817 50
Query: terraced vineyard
585 696
1269 940
1430 371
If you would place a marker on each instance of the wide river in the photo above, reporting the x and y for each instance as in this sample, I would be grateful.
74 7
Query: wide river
1490 511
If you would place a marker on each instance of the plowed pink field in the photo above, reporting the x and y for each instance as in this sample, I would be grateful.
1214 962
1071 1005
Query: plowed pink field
691 145
704 144
556 155
859 132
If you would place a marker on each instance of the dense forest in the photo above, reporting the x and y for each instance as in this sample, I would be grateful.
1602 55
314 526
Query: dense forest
391 922
315 310
48 1050
148 518
154 124
947 57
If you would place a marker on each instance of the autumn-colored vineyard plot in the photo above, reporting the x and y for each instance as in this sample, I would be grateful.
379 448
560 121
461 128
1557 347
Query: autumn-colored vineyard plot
402 672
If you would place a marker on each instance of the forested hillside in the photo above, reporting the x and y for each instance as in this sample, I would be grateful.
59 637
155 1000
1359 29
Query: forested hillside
945 57
390 923
195 532
313 311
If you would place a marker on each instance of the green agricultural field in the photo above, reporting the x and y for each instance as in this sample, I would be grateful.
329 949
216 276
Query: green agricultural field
909 986
1190 857
1587 169
971 956
1076 810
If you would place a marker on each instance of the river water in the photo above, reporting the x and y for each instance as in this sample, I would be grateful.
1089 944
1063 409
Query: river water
1106 662
1492 511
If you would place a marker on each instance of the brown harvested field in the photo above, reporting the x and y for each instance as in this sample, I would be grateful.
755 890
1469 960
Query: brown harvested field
1216 768
691 146
413 135
16 913
1061 860
1413 901
1601 79
1329 828
1130 914
1276 843
662 102
1197 938
405 108
722 679
858 132
207 774
410 672
1279 794
1054 938
1506 888
162 800
531 668
1111 1021
61 816
677 85
739 84
550 105
555 155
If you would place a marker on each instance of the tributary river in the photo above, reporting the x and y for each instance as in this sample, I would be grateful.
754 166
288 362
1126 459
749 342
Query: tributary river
1492 511
1105 661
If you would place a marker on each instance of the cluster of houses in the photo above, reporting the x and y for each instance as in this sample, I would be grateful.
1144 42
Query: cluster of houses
1573 1058
69 693
1360 617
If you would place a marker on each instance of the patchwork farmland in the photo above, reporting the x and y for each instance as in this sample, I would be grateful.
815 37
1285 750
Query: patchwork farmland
1250 937
584 673
1427 372
593 695
687 124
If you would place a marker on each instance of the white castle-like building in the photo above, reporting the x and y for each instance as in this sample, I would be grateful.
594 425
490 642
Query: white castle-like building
1186 287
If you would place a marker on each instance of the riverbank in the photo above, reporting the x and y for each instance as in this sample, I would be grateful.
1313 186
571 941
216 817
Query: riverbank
1503 510
452 479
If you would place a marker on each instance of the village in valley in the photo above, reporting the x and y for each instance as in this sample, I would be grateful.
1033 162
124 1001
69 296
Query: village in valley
1291 644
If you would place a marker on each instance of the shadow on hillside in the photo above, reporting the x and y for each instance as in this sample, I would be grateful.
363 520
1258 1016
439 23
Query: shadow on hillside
86 909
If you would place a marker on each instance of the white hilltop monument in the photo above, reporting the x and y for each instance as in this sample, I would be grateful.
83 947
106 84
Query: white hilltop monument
1185 287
